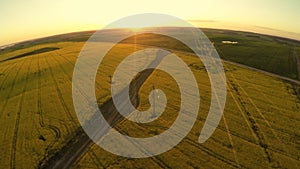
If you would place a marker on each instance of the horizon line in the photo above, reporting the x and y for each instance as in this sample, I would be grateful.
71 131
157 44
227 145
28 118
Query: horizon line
94 30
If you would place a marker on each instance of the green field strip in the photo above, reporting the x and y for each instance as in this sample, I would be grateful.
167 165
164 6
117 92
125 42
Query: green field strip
297 60
276 61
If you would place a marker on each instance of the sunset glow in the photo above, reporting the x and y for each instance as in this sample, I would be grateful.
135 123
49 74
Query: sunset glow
23 20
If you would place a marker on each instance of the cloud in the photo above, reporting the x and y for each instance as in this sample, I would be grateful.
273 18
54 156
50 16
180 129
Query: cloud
202 21
272 31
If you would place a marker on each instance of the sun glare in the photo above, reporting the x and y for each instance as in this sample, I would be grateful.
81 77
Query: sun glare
136 29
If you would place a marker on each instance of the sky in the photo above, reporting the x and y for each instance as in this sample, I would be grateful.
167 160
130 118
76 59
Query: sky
28 19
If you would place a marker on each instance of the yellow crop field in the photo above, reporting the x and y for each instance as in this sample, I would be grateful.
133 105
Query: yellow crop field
259 128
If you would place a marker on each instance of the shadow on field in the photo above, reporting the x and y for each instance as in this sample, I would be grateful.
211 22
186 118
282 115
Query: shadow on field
38 51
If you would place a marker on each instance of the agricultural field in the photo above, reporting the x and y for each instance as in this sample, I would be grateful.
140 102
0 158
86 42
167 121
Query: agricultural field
259 128
269 53
36 102
263 52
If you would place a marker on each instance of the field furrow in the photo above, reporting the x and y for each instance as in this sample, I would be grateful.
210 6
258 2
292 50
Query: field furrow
19 110
9 116
260 130
60 95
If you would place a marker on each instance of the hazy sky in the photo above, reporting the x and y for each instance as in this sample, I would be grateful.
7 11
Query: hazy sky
26 19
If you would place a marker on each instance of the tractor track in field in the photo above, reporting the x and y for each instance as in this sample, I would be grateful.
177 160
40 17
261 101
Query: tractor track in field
71 63
16 128
287 152
50 127
70 77
158 161
95 160
226 129
65 72
60 96
229 134
40 110
271 104
90 151
213 154
259 112
250 121
6 74
79 144
254 126
6 100
12 161
205 149
267 123
231 143
241 109
208 152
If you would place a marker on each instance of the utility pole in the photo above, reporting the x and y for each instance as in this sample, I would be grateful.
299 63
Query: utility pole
110 79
